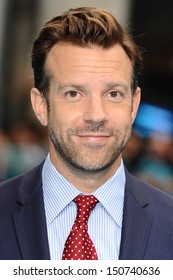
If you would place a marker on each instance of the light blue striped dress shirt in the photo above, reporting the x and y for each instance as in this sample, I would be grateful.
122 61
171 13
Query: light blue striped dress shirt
105 221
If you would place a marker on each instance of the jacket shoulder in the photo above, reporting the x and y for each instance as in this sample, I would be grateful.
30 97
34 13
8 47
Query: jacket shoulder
24 183
146 193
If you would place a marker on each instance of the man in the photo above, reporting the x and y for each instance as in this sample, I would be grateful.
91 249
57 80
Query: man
86 93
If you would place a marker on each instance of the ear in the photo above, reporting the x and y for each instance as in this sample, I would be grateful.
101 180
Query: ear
39 106
135 103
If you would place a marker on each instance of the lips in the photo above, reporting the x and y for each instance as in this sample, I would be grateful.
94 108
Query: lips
93 138
92 134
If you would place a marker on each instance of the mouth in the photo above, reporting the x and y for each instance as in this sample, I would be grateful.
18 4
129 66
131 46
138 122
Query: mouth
93 138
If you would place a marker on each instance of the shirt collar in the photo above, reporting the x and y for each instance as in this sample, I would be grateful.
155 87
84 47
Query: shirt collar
111 195
58 193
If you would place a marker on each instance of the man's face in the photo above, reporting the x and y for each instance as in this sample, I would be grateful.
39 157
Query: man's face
91 108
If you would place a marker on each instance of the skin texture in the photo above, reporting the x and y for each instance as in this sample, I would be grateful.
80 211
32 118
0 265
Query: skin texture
90 113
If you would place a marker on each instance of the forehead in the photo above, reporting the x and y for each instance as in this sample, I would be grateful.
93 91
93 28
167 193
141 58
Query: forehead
66 60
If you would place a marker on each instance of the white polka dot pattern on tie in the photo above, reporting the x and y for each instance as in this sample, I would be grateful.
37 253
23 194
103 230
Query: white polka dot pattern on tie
79 245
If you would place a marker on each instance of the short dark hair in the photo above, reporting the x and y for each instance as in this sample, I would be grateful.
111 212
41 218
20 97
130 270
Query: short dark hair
83 27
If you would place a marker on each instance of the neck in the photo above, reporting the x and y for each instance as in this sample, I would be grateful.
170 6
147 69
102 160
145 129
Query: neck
84 181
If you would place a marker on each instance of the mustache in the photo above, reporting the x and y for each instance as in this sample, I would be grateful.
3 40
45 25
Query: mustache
96 128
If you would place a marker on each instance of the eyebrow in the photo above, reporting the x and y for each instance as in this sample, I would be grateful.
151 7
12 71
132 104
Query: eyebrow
71 85
118 85
83 87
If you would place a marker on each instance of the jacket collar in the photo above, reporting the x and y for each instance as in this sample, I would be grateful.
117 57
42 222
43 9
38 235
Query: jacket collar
29 218
136 222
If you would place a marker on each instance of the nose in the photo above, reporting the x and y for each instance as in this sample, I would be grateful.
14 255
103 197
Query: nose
95 110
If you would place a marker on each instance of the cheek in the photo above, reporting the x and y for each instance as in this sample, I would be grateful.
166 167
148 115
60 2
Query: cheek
122 117
61 119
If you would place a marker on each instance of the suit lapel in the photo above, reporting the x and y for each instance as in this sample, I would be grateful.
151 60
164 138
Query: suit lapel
136 222
29 219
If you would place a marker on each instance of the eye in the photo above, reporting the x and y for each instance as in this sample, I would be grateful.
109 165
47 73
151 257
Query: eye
73 95
114 95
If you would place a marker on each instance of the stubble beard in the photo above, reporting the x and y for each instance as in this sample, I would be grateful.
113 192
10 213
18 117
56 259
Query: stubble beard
82 162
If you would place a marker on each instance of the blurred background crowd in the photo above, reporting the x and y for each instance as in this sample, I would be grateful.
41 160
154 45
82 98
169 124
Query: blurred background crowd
23 142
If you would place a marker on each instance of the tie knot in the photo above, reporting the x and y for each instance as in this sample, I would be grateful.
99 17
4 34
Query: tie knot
85 204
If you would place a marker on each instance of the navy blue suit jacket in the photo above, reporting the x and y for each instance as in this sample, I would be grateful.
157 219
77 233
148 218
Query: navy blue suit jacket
147 231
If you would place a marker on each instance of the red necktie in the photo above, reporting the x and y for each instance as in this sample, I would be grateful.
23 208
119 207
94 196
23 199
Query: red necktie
79 245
